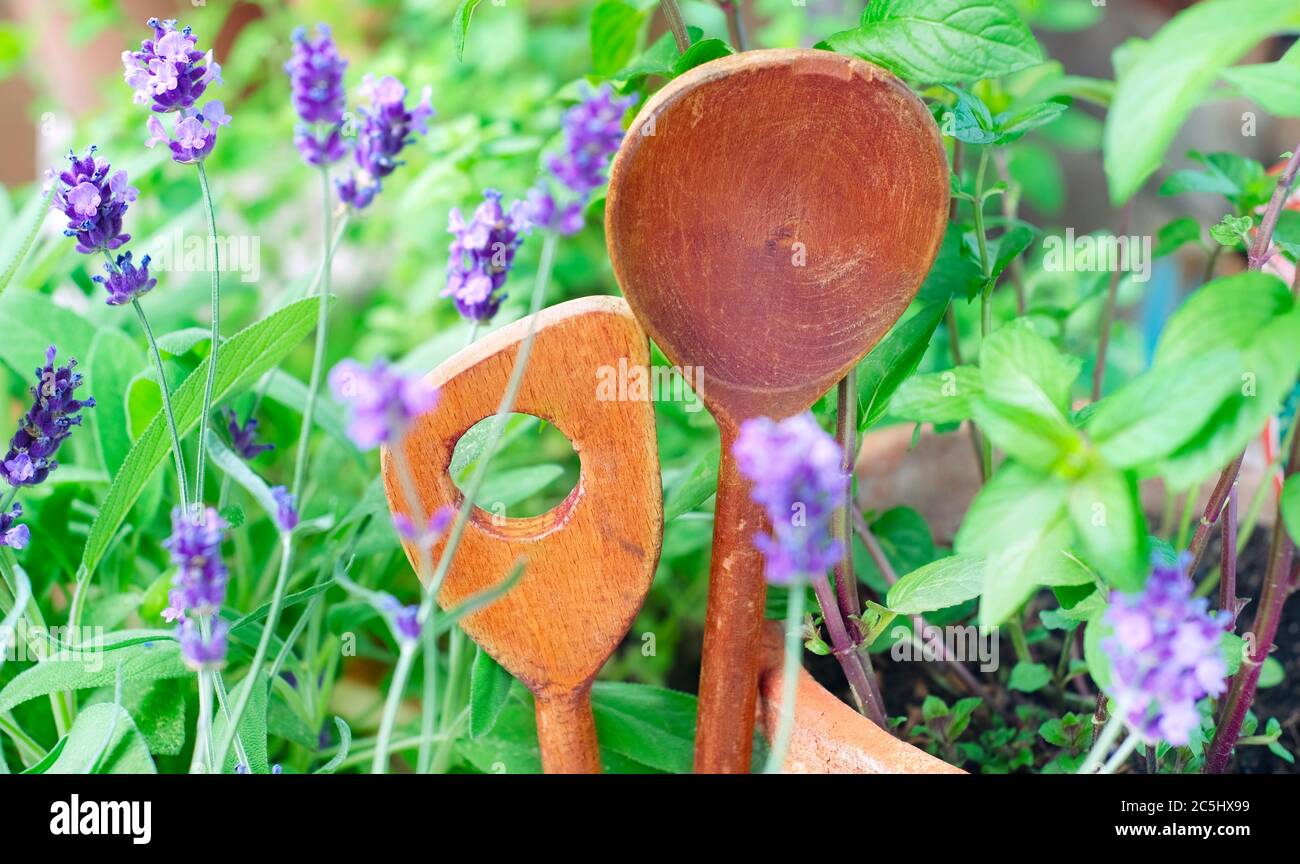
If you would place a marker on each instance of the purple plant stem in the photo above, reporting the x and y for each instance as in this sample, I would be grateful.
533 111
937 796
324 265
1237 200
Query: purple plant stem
1108 315
735 23
1259 254
1228 560
1278 585
846 432
867 695
868 538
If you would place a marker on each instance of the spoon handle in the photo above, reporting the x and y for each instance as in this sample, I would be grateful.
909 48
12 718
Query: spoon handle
733 625
566 733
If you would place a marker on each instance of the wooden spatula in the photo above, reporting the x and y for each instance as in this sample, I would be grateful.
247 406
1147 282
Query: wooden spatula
589 560
770 216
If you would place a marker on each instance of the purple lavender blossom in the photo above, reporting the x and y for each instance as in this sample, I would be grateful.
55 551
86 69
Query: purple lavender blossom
481 254
168 73
94 202
195 547
406 619
46 424
199 653
794 467
125 282
243 438
384 402
387 127
175 610
195 133
316 75
286 508
593 129
12 534
435 528
1165 654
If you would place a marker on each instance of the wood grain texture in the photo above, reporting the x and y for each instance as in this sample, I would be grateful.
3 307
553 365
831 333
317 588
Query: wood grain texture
770 216
830 737
589 560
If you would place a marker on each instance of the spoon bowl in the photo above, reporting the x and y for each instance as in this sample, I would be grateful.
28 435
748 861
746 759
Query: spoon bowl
770 216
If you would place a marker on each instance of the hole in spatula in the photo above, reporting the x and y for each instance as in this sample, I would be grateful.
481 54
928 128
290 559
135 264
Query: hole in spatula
535 467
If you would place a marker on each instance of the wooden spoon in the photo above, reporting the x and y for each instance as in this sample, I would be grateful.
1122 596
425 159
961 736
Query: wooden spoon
590 559
770 216
829 737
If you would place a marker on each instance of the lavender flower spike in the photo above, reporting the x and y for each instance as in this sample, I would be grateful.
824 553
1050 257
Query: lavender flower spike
195 134
243 438
199 653
593 129
49 421
794 467
286 508
169 73
1165 654
94 202
384 402
405 619
195 547
12 534
481 254
125 282
388 126
316 75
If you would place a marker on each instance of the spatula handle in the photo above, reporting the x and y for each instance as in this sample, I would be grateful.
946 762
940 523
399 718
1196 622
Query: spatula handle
566 733
733 625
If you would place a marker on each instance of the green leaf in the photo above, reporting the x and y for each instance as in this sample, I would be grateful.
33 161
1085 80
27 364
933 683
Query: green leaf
512 485
1275 86
942 41
242 360
489 690
887 366
1094 632
252 728
32 323
345 744
1232 231
1022 368
939 397
1271 673
1254 314
649 725
954 271
1169 76
18 242
460 25
905 540
113 361
104 739
141 656
700 53
180 342
1154 414
1107 516
659 59
1019 523
1010 245
158 709
938 585
1012 126
1029 677
698 483
615 26
1176 234
1290 507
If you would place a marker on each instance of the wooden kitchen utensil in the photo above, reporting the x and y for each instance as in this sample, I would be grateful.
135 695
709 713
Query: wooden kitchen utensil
770 215
590 560
828 736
